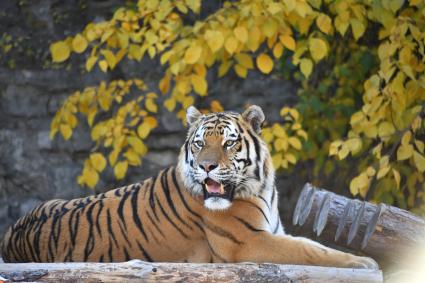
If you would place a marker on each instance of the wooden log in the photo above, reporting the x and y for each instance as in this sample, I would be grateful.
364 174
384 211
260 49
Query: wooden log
137 270
381 231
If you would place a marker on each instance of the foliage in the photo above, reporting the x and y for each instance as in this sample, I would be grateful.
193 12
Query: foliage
361 72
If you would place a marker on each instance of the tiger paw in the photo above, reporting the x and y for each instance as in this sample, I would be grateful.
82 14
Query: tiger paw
362 262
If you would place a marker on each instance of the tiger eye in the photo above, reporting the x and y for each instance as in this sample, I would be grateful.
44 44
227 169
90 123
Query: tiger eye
229 143
199 144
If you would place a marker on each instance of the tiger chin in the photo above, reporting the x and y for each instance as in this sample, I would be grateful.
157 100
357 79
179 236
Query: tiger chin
219 204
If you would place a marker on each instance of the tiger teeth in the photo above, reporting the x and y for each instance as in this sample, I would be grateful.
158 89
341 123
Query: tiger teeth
221 189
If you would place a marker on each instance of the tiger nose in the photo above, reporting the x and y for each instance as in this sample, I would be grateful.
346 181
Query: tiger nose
208 165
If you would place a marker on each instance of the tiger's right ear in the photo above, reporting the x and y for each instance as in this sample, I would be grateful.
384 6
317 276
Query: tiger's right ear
192 115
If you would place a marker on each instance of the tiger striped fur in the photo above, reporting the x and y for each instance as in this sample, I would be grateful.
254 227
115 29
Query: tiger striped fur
219 204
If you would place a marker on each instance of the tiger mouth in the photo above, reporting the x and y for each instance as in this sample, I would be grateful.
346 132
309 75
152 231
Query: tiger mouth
215 189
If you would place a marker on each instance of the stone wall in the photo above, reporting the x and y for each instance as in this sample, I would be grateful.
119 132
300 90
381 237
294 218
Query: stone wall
34 168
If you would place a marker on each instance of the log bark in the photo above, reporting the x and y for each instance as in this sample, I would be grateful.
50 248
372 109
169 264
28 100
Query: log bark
381 231
137 270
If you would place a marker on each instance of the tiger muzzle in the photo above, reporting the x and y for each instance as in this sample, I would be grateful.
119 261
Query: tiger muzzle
215 189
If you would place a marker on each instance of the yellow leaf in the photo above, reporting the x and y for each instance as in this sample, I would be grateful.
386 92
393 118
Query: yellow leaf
113 156
90 63
419 161
98 161
354 186
384 161
281 144
277 50
406 138
277 160
334 147
199 84
420 146
170 104
224 68
103 65
138 145
382 172
214 39
324 23
164 84
120 169
318 48
188 101
296 126
133 158
288 41
264 63
269 28
343 153
90 177
294 113
110 58
267 135
241 34
397 178
357 118
386 129
254 38
274 8
303 134
295 143
79 43
192 54
241 71
357 27
290 5
370 171
135 52
404 152
231 44
60 51
143 130
354 145
284 111
151 105
291 158
341 24
216 106
66 131
306 66
244 60
279 131
151 122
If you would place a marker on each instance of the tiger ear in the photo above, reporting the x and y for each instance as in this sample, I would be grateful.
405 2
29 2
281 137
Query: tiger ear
192 115
255 117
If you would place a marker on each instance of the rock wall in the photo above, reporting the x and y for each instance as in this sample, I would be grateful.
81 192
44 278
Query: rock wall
34 168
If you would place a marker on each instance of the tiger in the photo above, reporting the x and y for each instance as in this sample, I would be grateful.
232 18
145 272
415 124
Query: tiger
219 204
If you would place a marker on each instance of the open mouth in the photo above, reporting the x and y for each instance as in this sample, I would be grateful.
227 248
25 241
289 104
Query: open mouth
215 189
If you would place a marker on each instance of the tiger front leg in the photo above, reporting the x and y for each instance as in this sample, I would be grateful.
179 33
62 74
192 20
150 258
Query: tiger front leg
285 249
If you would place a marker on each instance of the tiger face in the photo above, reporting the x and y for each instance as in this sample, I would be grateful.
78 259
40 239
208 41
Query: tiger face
224 157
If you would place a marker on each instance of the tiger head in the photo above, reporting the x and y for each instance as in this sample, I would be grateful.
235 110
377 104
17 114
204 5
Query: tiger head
224 157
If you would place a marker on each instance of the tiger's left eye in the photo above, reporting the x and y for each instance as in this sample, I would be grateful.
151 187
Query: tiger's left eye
229 143
199 144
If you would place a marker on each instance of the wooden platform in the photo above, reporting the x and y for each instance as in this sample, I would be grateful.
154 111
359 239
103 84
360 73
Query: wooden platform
137 270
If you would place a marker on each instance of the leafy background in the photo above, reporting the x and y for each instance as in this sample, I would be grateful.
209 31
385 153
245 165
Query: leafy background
382 130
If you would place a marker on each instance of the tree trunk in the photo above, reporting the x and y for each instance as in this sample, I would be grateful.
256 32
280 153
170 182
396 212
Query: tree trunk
381 231
140 271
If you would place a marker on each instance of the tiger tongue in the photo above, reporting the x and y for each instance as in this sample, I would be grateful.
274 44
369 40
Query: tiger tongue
213 187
